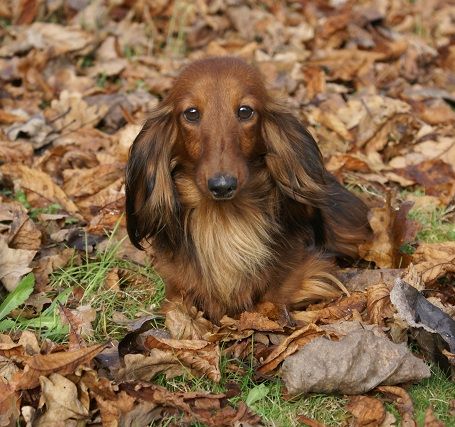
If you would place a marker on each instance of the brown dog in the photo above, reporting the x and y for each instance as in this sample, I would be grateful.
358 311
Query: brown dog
231 192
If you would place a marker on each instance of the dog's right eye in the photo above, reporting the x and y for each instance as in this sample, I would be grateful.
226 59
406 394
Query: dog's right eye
191 114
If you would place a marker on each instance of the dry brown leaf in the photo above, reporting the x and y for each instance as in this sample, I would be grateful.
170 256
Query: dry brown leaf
391 229
80 322
38 183
401 399
187 324
10 402
73 112
212 410
315 81
199 356
144 368
228 331
58 39
60 395
380 249
342 309
435 176
112 405
379 307
14 263
16 152
434 260
86 182
290 345
48 264
29 342
431 420
23 233
367 411
61 363
309 422
359 279
258 322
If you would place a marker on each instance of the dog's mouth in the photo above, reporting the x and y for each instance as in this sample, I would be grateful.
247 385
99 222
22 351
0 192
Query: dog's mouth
223 197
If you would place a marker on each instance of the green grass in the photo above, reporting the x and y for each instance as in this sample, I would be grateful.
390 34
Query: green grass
436 391
139 292
264 398
437 222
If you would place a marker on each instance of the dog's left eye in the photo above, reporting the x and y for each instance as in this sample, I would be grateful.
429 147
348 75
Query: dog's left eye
245 112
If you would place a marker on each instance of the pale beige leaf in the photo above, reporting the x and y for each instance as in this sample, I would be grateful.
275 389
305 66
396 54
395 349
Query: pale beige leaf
14 263
434 260
60 396
39 183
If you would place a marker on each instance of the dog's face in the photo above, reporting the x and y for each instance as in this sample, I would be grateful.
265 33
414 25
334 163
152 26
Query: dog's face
217 107
217 136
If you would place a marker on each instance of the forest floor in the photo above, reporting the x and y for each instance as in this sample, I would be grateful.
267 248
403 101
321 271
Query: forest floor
81 338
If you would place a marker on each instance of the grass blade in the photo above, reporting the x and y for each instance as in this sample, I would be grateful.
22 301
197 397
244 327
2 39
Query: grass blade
18 296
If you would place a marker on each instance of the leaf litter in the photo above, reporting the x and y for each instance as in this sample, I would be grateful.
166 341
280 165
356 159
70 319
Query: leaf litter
373 81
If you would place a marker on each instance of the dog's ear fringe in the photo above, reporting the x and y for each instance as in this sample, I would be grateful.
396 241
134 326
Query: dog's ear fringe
293 157
296 164
151 200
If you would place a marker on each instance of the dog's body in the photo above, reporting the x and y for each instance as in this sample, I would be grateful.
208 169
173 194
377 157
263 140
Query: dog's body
231 191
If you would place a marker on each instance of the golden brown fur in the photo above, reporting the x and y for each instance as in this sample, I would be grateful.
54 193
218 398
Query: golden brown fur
273 233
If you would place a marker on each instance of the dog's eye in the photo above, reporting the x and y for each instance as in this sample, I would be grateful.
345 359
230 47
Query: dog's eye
191 114
245 112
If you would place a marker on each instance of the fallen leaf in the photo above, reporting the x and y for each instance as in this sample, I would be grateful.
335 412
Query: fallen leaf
60 395
343 309
324 366
258 322
23 232
10 402
290 345
211 410
14 263
434 260
199 356
402 401
435 176
39 184
79 183
16 152
187 324
60 363
80 322
144 368
391 229
379 306
367 411
309 421
418 312
59 39
431 420
46 265
73 113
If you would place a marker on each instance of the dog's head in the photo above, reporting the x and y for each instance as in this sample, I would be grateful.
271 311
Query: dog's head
217 124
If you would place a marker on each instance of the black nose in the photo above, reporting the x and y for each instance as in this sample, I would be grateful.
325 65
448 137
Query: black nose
222 186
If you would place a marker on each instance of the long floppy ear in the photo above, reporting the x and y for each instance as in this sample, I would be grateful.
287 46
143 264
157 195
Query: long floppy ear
151 199
293 157
295 163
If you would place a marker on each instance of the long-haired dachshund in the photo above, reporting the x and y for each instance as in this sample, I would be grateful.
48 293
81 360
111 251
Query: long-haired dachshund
230 190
